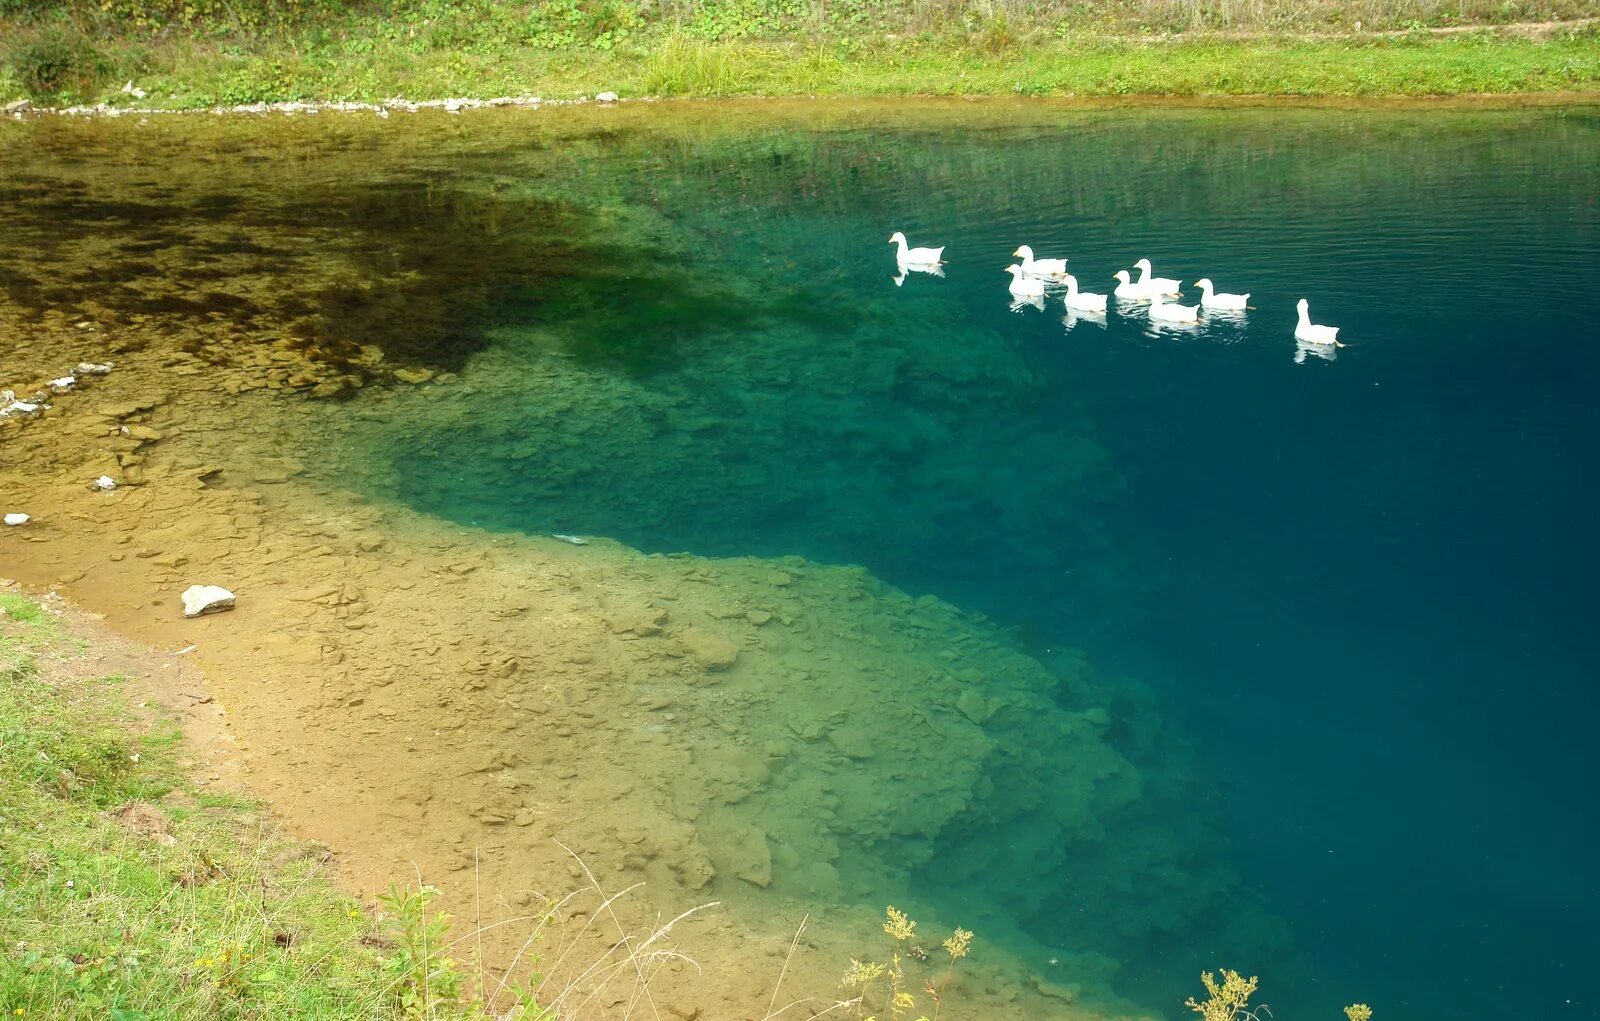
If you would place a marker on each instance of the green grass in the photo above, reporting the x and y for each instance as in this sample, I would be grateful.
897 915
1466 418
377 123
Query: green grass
125 894
277 50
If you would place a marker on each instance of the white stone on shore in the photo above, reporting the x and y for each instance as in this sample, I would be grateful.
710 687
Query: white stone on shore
93 369
607 97
17 519
104 483
199 599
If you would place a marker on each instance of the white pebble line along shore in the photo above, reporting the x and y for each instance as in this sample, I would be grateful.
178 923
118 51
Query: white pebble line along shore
21 108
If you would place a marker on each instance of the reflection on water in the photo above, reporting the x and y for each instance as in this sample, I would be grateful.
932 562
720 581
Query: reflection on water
1357 591
1304 350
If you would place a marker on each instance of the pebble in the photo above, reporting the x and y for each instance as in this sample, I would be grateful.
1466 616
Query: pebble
62 385
93 369
17 519
104 484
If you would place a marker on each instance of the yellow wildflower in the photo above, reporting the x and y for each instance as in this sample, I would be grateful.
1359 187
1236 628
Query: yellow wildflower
899 926
859 975
1228 998
1358 1012
956 945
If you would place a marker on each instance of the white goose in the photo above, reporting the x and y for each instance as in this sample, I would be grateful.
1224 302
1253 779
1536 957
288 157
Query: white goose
1126 289
1156 285
1313 334
914 256
1222 302
1039 267
1024 287
1166 312
1082 301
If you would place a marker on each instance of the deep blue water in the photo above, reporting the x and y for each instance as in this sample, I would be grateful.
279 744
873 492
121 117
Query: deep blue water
1365 583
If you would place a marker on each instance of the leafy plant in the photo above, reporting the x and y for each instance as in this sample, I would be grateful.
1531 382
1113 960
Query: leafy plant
425 978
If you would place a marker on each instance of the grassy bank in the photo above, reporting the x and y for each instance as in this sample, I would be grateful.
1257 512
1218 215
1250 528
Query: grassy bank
128 892
207 53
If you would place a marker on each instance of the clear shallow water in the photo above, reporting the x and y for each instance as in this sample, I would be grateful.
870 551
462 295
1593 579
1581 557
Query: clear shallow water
1363 579
1359 585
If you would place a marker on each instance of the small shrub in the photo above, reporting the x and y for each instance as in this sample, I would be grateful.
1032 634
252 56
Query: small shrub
425 978
259 81
58 63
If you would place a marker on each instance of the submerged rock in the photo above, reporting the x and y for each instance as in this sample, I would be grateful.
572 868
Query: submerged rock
93 369
143 433
17 519
62 385
752 859
974 706
709 651
104 484
201 599
607 97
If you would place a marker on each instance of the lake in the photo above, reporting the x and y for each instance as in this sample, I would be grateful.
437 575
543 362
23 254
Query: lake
1154 649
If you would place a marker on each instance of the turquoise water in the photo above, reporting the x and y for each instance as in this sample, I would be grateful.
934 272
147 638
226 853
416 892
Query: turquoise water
1364 579
1358 585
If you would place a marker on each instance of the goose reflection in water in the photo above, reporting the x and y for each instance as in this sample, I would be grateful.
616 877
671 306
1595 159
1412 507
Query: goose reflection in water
1327 352
933 270
1019 302
1076 316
